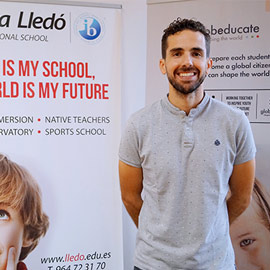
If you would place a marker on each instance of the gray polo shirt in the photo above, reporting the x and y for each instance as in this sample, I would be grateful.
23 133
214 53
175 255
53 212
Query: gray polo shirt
187 162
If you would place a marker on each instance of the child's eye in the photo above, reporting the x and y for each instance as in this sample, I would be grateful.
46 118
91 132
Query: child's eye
246 242
4 215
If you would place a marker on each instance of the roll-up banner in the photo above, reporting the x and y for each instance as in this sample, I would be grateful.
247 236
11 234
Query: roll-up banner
59 128
240 77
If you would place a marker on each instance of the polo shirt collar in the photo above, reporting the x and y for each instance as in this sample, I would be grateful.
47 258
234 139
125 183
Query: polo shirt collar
193 112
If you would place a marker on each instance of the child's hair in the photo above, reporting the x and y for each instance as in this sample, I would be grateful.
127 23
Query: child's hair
20 191
262 199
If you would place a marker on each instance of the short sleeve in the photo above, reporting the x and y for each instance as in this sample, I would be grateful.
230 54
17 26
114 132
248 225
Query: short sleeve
245 145
129 146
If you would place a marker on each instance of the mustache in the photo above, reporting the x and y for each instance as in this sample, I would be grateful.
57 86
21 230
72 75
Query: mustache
186 69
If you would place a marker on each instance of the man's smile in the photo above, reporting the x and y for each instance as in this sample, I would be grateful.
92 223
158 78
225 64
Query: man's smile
186 74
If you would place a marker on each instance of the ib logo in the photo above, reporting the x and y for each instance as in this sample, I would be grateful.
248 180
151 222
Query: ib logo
89 28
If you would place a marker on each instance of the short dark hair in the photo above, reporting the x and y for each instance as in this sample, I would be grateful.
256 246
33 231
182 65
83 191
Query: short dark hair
179 25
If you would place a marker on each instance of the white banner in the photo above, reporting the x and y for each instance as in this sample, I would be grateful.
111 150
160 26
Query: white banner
60 119
240 77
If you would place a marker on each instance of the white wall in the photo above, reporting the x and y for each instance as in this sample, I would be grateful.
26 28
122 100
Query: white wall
134 26
133 90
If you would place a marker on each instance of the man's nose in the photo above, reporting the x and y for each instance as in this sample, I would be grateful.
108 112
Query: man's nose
187 60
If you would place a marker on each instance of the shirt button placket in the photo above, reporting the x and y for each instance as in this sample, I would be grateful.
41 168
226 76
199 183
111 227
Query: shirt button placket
188 134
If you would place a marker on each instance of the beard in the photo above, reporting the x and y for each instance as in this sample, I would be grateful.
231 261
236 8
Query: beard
181 88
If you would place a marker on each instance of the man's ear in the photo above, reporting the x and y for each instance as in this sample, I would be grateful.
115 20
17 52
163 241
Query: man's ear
209 64
162 66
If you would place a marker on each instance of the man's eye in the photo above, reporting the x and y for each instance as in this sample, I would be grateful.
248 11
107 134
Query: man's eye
196 54
246 242
4 215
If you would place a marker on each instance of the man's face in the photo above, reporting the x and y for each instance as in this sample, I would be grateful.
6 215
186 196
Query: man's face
11 233
186 64
251 241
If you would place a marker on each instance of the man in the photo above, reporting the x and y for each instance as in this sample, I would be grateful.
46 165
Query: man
185 152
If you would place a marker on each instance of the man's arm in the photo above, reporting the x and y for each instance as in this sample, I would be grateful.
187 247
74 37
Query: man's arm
241 186
131 188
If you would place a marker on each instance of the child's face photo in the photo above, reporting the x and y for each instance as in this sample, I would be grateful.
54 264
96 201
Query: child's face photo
19 188
251 241
11 233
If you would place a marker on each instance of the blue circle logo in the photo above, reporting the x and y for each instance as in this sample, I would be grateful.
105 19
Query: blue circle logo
89 28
